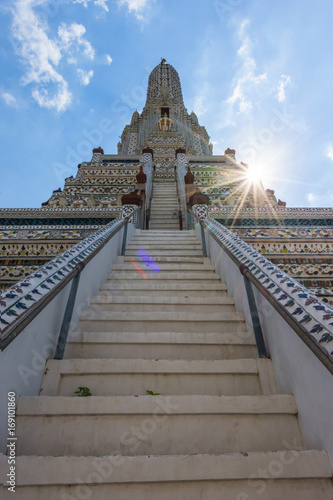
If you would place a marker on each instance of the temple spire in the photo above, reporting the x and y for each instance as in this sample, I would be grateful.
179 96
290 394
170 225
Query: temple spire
164 85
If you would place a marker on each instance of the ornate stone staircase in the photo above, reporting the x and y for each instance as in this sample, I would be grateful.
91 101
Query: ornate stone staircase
164 206
181 406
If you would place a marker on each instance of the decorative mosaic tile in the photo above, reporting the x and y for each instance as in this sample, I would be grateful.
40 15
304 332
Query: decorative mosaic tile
273 248
289 233
314 315
307 269
74 234
268 213
16 272
34 249
57 212
262 224
17 299
201 211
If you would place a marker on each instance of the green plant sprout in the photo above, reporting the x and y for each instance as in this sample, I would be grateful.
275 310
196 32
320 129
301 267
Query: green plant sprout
83 392
152 393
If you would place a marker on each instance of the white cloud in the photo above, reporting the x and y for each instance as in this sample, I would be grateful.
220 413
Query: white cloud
285 80
329 152
85 76
137 7
72 34
246 79
71 60
83 2
41 54
102 3
99 3
243 25
199 106
108 59
244 105
9 99
320 200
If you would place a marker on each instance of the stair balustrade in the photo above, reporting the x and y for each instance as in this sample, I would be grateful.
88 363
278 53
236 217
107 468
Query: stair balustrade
49 301
303 363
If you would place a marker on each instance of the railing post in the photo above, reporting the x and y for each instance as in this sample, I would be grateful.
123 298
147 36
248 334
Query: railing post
262 352
203 241
189 221
180 220
127 212
201 211
62 340
123 246
147 218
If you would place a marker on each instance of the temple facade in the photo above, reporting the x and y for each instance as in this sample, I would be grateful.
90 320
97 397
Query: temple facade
171 140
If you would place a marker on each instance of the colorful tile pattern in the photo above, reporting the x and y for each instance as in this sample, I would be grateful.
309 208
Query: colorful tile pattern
314 315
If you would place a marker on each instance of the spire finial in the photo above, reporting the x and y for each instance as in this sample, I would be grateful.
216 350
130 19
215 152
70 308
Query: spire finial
163 61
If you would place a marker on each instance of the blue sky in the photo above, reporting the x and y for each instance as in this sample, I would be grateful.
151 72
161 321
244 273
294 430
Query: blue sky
258 73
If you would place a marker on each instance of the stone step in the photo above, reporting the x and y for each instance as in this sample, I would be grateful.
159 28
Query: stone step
143 233
172 212
287 474
202 304
152 238
160 233
164 202
183 234
164 226
163 241
164 210
104 321
166 259
164 222
171 222
165 196
114 377
169 246
171 268
163 206
171 219
122 305
167 205
142 287
161 345
161 276
156 425
166 253
161 193
171 215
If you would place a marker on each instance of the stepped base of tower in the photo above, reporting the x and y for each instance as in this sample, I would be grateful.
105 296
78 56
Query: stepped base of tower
274 475
180 407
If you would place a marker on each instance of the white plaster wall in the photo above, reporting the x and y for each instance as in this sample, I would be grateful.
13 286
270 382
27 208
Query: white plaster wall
297 370
22 363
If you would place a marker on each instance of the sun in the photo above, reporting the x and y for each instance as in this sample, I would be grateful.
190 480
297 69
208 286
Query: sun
254 174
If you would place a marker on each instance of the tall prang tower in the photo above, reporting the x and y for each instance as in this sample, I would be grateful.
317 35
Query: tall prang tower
162 357
167 139
164 125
